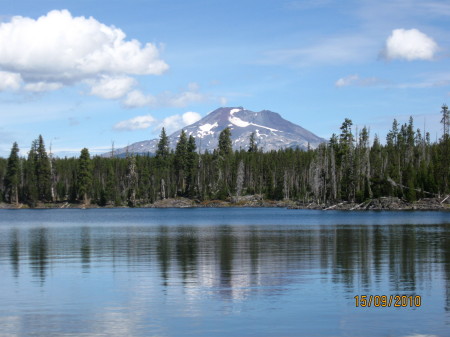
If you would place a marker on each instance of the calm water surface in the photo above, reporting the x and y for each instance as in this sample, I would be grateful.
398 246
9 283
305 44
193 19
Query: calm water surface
221 272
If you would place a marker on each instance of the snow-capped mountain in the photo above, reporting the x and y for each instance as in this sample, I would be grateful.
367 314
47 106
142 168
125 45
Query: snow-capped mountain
272 132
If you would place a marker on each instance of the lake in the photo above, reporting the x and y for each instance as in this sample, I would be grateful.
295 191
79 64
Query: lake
224 272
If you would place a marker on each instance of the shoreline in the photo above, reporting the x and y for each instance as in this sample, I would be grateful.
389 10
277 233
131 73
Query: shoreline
378 204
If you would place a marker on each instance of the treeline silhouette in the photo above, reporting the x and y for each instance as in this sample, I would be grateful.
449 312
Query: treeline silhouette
346 168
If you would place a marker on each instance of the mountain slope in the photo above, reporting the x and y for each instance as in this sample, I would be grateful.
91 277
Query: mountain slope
272 132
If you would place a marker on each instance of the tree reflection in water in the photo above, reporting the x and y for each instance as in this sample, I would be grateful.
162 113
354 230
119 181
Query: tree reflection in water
239 260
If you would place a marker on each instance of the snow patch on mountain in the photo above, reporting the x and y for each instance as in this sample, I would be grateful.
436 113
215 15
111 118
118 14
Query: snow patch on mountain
205 129
272 132
243 124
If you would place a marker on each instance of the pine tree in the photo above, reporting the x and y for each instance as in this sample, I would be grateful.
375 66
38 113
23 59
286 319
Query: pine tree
132 177
181 161
445 147
84 177
346 156
253 147
111 193
191 165
163 145
225 144
43 171
30 179
445 121
12 178
239 179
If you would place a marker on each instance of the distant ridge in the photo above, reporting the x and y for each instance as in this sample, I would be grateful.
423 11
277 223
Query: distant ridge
272 131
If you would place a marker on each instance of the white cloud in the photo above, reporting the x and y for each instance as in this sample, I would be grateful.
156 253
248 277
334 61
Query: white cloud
191 117
409 44
176 122
355 79
112 87
60 48
171 123
42 86
181 99
136 99
9 80
136 123
345 81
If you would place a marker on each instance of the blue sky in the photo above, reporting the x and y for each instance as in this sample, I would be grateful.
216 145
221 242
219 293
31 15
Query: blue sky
86 74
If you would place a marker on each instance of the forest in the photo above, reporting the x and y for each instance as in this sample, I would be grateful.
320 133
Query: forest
347 168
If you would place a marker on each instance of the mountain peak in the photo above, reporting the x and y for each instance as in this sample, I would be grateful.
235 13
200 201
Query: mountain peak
272 132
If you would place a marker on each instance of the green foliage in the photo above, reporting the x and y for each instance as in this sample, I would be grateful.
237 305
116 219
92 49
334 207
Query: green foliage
12 177
253 147
43 171
409 166
84 177
30 193
163 145
225 145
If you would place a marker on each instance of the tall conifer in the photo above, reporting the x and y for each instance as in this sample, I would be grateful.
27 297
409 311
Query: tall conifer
84 177
12 178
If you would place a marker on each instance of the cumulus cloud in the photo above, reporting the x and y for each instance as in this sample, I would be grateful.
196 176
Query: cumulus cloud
171 123
409 44
176 122
191 117
9 81
136 99
112 87
42 86
58 49
136 123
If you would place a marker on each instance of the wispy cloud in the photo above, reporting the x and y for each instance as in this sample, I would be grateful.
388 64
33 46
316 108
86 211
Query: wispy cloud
356 80
183 98
136 123
327 51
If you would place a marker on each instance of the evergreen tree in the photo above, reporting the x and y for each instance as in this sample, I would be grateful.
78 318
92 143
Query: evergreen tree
30 179
181 152
445 121
346 162
253 147
163 145
445 147
111 193
225 144
132 177
84 177
12 178
43 171
408 166
181 162
191 165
